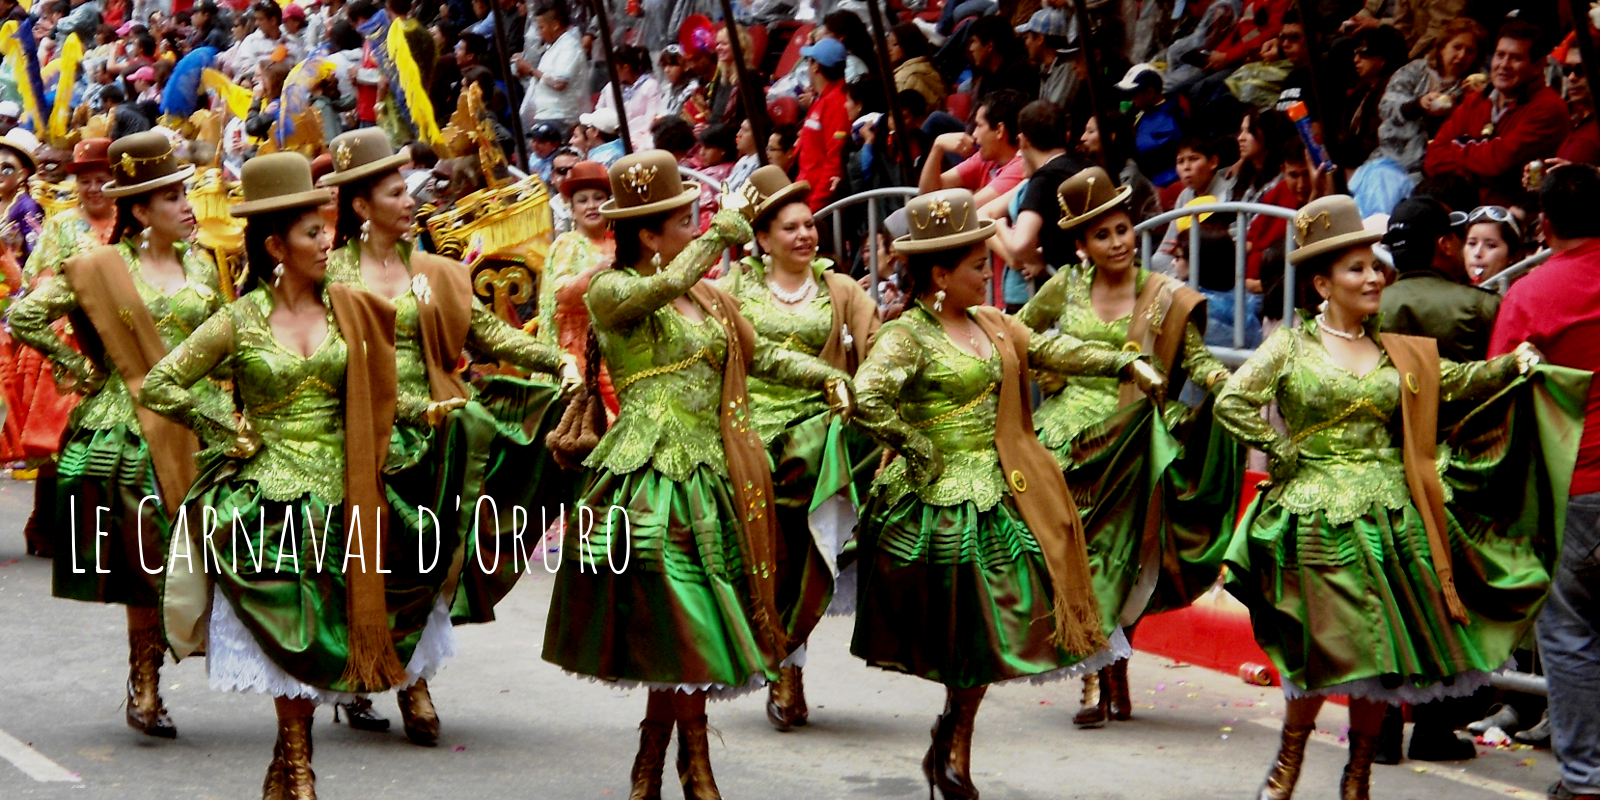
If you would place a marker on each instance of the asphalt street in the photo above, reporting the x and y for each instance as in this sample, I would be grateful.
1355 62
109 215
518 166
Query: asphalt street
517 727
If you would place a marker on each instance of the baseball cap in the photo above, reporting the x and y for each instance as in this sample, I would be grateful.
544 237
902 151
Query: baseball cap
1140 76
827 52
1045 22
10 109
605 119
545 132
293 11
1414 227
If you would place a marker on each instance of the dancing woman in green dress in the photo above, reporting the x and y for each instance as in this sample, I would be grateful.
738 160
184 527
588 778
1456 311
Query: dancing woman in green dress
797 302
129 303
673 588
971 553
1156 481
1404 546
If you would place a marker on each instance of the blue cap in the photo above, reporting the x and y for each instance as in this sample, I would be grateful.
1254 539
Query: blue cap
1046 22
827 52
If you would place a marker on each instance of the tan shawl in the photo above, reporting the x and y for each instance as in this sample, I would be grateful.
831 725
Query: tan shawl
1417 359
124 333
366 321
444 315
854 311
1161 315
1040 492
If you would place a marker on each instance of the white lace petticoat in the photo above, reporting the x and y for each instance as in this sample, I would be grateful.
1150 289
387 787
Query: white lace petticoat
1465 684
235 661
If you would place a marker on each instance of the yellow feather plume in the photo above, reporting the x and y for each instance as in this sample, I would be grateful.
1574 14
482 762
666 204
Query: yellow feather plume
235 96
11 48
411 84
67 63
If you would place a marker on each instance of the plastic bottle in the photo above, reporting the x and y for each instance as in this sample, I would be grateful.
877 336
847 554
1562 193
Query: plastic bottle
1301 117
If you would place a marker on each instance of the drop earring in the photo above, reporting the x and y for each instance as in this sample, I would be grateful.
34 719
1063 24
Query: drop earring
366 231
277 275
144 239
655 261
938 300
766 258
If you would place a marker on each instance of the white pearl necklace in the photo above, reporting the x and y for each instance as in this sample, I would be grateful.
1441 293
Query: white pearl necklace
796 297
1322 323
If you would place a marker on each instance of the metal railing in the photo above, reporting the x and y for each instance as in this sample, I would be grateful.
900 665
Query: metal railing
1238 354
1501 282
870 197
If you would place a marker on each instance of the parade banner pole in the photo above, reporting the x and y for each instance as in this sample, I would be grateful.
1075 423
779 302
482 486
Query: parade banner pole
501 44
882 46
1092 66
604 16
747 90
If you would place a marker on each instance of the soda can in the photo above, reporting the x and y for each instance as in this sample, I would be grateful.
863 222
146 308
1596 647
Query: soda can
1535 173
1255 674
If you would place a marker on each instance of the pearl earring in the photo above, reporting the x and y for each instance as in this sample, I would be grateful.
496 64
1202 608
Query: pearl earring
366 230
655 261
938 300
277 274
767 260
144 239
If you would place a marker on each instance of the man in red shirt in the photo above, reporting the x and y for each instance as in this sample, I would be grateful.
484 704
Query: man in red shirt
1557 309
827 126
993 162
1494 133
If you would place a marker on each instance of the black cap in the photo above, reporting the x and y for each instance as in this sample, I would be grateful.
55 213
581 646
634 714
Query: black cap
1414 227
545 132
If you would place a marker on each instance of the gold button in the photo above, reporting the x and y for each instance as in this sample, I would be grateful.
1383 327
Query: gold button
1411 383
1132 347
1019 481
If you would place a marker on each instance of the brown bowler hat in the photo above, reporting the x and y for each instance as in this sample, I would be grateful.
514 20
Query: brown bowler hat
362 154
586 175
89 154
143 162
1328 224
943 220
769 189
277 182
1087 195
646 183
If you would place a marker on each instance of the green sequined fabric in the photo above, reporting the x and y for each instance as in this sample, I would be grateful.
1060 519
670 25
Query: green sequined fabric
804 330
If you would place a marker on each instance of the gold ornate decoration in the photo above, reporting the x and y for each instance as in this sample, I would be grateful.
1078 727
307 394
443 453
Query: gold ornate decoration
129 161
705 353
956 412
508 286
640 179
342 156
1303 223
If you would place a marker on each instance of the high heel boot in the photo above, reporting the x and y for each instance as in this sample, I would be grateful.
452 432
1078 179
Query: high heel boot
1280 781
1094 712
145 711
651 760
275 786
786 701
694 761
360 714
294 737
1118 705
418 716
1358 772
948 764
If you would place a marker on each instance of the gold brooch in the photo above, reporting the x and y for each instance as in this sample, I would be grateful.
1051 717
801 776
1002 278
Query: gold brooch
940 212
640 180
342 156
420 289
127 164
1304 221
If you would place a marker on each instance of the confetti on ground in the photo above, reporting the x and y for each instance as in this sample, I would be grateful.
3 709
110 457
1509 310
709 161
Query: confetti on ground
460 748
1527 762
1227 729
1161 687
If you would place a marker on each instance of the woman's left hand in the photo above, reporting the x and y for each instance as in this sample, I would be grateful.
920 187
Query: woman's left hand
1527 357
841 397
571 376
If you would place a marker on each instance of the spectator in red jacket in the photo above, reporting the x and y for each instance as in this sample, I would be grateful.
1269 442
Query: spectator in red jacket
1495 132
827 126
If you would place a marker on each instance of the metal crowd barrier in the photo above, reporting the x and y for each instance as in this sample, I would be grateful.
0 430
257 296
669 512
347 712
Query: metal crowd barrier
870 197
1500 283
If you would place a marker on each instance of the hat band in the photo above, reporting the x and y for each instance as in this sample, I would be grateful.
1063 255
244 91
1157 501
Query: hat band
129 163
940 213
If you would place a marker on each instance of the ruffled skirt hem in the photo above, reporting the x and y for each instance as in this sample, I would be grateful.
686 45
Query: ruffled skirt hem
1464 684
715 692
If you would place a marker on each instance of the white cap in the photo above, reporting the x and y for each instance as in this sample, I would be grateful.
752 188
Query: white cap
605 119
1130 81
10 109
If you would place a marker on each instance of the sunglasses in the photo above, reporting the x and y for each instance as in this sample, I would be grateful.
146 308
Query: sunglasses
1499 214
1571 70
562 170
9 169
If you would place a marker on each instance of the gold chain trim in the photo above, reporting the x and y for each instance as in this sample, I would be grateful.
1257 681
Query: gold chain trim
705 353
1346 414
794 343
952 414
306 383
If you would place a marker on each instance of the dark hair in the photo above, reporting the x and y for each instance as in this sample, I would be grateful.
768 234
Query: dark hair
478 46
1292 151
721 136
1292 17
448 30
347 226
1045 125
1267 126
422 154
1002 108
763 223
1199 144
627 231
257 230
1454 191
146 44
556 8
1567 196
867 91
994 31
271 9
673 134
1116 138
917 275
1524 31
852 33
1387 44
833 73
360 9
912 102
913 42
112 94
344 36
127 225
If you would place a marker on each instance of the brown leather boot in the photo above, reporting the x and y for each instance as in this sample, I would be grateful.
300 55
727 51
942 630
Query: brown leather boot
294 736
1358 772
1094 712
360 714
275 787
786 701
1280 781
651 760
955 781
145 711
694 761
418 716
1118 705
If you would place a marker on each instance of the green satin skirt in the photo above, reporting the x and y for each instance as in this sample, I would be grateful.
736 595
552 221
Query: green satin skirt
815 460
1356 608
102 477
1157 502
662 602
958 596
486 483
286 581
